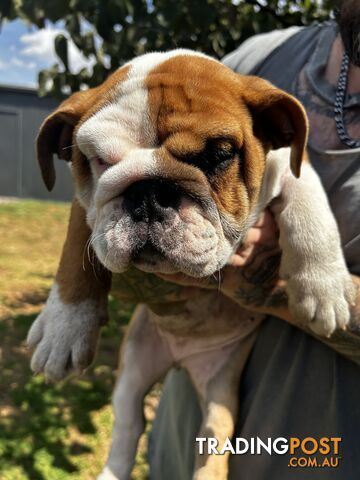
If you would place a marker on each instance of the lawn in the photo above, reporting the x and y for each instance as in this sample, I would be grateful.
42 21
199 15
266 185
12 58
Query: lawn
50 432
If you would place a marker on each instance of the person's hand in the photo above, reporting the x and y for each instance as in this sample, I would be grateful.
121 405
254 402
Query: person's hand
252 271
262 237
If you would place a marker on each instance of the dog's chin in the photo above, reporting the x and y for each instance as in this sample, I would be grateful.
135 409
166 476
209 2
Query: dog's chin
150 260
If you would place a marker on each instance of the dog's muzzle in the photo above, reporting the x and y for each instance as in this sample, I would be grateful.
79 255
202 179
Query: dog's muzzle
158 224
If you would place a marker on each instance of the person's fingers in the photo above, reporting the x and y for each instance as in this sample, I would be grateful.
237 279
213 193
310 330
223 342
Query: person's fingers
255 235
266 221
243 255
238 260
261 220
261 236
264 232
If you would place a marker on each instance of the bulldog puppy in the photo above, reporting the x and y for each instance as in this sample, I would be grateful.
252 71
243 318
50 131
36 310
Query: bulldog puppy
174 157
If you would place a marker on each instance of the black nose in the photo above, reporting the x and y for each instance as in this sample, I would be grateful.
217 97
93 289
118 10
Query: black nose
150 200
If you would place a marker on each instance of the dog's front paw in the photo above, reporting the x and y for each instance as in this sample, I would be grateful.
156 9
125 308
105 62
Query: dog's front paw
321 298
64 336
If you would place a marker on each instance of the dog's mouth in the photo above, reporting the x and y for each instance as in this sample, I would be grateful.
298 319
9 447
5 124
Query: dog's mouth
147 254
149 258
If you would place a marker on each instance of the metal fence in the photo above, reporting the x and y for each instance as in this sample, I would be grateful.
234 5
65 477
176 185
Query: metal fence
21 113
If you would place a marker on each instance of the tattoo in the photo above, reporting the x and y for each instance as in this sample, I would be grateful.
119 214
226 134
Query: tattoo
277 299
257 279
345 342
135 286
257 290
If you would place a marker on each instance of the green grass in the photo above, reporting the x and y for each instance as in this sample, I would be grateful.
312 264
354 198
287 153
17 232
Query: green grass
49 432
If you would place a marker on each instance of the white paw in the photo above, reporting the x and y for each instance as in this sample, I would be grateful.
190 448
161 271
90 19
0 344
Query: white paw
321 298
106 474
64 337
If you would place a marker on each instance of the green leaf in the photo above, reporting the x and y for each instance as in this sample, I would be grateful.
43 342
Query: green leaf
61 49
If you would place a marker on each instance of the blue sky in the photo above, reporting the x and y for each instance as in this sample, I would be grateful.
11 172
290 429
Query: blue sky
24 51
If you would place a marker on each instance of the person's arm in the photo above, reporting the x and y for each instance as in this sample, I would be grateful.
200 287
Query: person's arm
249 291
252 281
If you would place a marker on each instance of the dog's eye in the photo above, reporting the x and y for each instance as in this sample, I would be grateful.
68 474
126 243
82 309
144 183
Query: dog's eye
100 163
217 155
223 153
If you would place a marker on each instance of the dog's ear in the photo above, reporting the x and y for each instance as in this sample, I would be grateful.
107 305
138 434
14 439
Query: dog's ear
56 132
279 120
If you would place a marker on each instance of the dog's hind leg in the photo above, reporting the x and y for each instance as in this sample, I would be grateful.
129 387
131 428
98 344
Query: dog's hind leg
144 358
218 396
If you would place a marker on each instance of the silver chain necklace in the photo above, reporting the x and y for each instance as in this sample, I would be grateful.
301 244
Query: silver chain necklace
339 105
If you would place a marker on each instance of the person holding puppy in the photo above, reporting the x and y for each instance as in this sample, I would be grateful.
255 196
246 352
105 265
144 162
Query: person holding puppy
293 384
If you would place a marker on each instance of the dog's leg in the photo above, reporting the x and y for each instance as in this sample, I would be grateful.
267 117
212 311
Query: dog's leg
144 358
318 283
216 378
66 332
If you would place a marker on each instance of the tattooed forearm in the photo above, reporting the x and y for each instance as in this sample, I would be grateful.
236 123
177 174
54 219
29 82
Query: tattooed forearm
275 301
256 282
346 342
135 286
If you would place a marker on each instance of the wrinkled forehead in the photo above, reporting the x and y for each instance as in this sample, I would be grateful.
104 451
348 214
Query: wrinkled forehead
162 94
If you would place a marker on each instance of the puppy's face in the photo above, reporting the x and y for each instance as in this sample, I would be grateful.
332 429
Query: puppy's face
169 159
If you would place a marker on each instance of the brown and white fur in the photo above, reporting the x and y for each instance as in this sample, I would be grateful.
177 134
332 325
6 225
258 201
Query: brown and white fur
174 157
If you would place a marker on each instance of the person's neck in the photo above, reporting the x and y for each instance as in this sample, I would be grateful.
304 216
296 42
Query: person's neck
333 68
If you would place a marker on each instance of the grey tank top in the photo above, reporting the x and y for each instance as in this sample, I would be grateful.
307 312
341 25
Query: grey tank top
339 170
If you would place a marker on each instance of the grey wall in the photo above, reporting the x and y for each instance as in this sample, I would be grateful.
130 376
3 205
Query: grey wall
21 113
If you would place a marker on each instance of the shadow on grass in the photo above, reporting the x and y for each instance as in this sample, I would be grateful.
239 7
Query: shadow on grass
42 426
